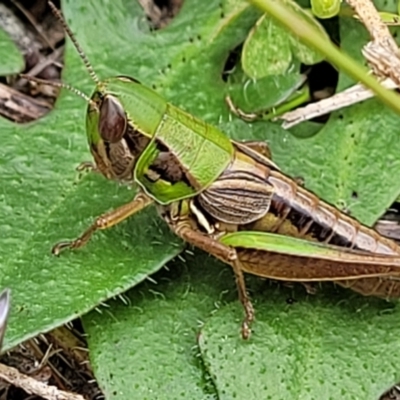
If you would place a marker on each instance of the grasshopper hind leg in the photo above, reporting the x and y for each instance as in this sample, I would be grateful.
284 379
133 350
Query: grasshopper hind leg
183 228
244 298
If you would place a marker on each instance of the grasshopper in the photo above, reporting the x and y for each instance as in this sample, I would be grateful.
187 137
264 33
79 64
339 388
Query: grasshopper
224 197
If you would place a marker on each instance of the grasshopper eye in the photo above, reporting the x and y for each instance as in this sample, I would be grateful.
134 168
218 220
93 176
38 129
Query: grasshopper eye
112 121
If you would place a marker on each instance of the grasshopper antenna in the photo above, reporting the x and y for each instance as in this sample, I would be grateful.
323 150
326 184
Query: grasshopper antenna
83 56
58 85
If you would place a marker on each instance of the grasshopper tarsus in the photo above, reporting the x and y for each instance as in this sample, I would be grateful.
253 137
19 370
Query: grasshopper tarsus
310 288
246 325
246 331
249 318
243 297
77 243
87 166
61 246
58 248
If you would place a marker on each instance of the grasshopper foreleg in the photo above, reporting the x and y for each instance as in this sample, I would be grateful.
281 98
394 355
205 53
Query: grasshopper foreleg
225 253
105 221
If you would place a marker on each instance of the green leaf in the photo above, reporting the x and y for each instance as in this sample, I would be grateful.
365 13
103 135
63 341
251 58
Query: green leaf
11 58
146 348
310 36
42 200
252 95
390 18
301 51
321 167
325 8
269 48
303 347
266 51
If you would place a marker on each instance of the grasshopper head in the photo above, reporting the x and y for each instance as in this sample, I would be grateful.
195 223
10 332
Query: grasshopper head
106 126
122 116
115 136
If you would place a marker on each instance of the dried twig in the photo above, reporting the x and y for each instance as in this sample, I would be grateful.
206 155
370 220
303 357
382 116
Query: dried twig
372 21
382 55
382 52
33 22
32 386
355 94
383 61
